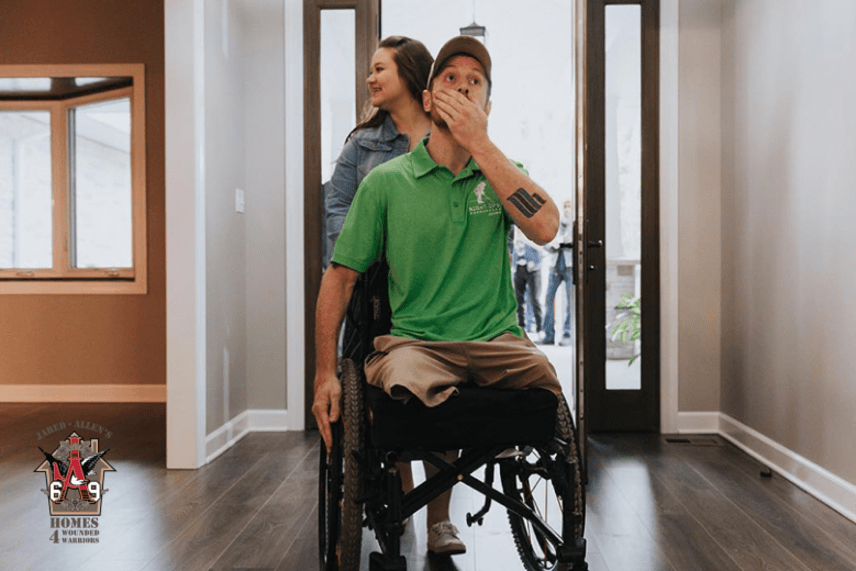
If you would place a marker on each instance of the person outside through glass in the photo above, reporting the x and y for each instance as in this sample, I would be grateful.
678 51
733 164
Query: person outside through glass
441 215
527 278
559 261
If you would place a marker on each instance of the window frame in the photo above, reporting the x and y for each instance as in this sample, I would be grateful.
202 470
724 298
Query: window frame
62 278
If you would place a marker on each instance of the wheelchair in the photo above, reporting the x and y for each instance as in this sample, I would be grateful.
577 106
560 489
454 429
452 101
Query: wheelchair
514 433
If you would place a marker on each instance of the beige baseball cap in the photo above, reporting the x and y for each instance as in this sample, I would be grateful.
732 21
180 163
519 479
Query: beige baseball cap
461 45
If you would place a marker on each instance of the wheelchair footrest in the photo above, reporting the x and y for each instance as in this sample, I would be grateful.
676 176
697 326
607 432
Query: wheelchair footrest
381 562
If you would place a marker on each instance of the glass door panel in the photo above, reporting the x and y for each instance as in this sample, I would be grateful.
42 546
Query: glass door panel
338 101
338 97
623 158
621 216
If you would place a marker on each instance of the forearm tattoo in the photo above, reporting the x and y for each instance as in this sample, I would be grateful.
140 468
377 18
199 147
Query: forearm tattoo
526 203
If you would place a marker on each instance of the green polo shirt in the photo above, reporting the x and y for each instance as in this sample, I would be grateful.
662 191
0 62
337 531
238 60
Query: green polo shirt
445 240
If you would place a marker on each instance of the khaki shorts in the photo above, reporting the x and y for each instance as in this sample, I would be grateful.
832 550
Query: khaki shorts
430 370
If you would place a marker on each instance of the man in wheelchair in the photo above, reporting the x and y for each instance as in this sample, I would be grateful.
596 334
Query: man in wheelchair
440 217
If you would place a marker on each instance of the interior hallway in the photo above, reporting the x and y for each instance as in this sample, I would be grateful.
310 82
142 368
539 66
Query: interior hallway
653 505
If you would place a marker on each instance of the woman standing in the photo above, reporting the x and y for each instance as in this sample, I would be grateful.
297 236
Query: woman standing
394 125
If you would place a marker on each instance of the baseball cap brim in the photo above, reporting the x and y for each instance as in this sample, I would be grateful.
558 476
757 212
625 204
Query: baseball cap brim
461 45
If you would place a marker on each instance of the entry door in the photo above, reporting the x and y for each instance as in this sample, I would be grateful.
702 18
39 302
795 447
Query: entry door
617 245
340 37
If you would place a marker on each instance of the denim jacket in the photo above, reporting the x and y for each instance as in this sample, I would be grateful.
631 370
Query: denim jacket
366 149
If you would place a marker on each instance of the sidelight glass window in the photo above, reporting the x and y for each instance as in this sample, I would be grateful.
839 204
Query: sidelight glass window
623 154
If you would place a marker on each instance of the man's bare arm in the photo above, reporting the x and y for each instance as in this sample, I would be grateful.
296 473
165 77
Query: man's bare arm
336 287
529 205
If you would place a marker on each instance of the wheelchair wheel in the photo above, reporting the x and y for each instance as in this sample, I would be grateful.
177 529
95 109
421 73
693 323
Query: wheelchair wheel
340 516
549 481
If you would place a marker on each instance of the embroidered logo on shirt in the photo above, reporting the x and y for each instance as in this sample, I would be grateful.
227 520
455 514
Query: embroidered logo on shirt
479 192
486 203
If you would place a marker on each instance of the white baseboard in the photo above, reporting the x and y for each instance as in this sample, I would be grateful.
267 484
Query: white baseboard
698 423
834 491
248 421
83 393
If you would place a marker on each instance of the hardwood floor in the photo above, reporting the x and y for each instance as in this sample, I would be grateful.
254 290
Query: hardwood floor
652 506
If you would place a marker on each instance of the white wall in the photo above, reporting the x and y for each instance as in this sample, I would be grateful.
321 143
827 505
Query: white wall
788 213
226 278
699 184
184 98
264 108
226 260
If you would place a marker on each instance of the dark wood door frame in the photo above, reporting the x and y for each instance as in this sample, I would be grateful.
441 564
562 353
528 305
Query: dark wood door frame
618 410
582 154
367 14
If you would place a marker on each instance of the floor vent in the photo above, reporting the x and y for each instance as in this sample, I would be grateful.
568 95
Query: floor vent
695 440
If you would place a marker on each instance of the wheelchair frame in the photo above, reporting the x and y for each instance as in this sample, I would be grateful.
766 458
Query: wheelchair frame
358 478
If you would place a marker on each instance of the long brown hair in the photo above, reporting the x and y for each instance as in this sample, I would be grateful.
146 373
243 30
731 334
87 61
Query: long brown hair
414 64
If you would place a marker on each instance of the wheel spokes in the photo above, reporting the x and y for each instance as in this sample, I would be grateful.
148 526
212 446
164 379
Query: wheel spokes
535 536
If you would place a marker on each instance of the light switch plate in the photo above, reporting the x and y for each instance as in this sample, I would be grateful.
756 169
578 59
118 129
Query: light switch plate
239 200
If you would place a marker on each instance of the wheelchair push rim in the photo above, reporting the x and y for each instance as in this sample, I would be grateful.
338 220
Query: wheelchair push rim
330 491
339 511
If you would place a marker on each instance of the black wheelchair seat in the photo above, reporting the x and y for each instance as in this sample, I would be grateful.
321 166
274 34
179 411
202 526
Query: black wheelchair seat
474 417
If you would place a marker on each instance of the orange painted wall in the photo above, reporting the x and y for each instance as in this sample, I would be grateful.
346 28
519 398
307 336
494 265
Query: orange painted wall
92 339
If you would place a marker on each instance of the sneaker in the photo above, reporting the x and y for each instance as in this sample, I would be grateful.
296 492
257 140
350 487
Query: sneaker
544 341
443 538
565 342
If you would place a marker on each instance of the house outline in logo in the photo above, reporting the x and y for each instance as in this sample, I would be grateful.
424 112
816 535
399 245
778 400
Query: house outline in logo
74 474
